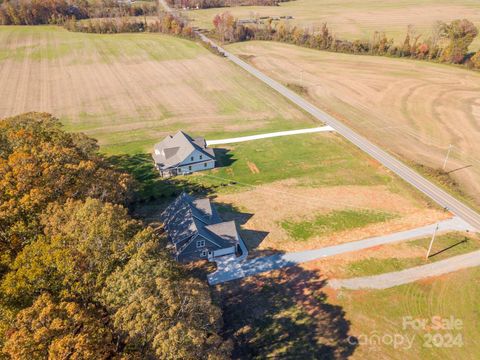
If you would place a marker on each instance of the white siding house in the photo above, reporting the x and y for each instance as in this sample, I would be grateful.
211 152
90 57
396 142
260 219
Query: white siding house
180 154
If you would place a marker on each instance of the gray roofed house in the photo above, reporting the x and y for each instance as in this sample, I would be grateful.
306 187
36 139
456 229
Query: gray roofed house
180 154
196 231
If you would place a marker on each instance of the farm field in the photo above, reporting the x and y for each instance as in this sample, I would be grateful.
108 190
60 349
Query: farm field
411 108
130 90
357 19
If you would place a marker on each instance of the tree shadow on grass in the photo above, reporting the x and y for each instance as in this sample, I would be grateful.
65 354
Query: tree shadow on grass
151 186
284 314
223 157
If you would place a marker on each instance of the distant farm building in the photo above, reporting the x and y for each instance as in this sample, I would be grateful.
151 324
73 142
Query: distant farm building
196 231
180 154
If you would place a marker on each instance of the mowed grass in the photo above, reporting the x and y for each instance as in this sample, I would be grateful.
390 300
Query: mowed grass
381 312
130 90
444 246
357 19
335 221
314 159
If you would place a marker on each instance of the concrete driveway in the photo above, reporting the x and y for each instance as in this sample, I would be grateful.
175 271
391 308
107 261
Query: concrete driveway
270 135
238 269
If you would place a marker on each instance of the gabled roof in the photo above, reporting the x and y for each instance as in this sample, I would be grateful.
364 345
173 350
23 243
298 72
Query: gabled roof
173 150
227 231
187 217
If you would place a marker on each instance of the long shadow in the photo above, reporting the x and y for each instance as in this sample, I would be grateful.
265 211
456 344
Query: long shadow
223 157
284 315
449 247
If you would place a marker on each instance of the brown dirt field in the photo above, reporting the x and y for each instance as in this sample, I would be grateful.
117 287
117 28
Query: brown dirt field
414 109
128 89
271 204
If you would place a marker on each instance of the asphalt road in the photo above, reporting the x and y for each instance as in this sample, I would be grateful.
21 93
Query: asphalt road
438 195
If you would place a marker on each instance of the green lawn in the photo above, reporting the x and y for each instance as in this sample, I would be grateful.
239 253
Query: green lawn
315 159
445 246
334 222
382 312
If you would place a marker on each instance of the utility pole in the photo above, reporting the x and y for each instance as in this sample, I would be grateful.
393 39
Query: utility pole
431 242
446 157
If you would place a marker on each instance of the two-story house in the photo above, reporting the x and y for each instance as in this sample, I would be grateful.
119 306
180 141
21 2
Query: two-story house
196 231
180 154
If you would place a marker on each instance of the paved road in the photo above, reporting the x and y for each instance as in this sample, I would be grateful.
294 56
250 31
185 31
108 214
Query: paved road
270 135
385 281
232 269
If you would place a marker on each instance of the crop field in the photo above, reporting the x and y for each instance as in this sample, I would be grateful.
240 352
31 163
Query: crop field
357 19
130 90
414 109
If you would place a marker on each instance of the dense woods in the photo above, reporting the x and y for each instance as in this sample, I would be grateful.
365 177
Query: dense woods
449 42
80 278
36 12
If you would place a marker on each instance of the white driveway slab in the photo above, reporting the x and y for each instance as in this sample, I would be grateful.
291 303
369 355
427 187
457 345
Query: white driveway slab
270 135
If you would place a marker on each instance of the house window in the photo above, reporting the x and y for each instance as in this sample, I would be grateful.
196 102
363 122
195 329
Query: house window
204 253
191 158
200 243
204 164
190 168
201 157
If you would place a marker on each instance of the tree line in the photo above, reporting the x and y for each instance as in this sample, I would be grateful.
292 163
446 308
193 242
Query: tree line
79 277
449 42
166 23
207 4
38 12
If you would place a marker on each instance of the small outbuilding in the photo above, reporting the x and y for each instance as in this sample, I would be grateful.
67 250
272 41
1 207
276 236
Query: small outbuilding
196 231
180 154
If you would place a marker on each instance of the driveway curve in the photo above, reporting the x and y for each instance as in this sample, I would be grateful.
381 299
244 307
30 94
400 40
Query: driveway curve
385 281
